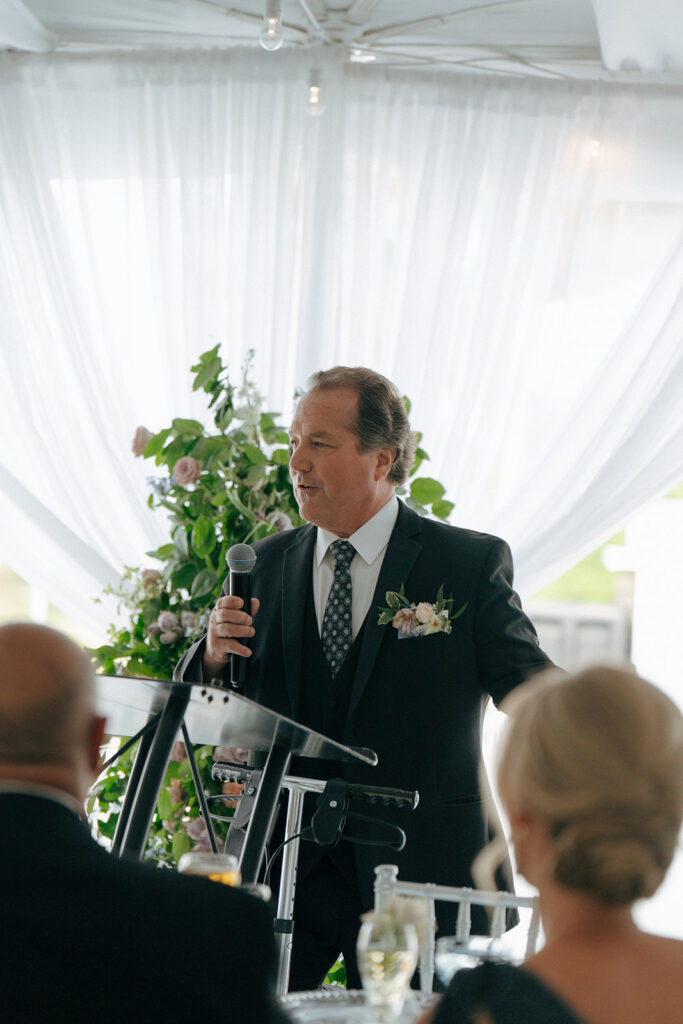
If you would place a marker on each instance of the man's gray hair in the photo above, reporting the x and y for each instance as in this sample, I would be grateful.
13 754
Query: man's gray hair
381 420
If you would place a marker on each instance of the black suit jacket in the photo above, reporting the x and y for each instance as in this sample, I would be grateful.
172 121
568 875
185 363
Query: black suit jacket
417 702
86 937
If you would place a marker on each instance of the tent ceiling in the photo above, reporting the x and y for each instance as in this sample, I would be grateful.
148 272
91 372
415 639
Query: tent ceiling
625 39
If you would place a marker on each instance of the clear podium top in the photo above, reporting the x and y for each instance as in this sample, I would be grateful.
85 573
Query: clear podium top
214 715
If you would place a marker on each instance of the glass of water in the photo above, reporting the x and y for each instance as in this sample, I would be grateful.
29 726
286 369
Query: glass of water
387 957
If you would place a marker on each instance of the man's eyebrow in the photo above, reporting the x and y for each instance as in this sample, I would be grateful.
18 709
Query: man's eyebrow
315 434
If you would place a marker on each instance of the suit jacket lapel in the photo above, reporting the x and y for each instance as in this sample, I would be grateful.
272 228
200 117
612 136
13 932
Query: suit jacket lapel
296 577
402 551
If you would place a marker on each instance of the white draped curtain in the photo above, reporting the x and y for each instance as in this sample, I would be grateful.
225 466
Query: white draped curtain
510 252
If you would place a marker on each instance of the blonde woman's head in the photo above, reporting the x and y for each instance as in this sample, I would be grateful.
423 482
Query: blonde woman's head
598 757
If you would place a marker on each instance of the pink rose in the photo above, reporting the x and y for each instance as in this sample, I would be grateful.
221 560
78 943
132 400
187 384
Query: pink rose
236 755
168 638
168 621
404 621
154 629
150 577
188 620
178 751
232 789
186 471
177 792
140 439
197 830
281 521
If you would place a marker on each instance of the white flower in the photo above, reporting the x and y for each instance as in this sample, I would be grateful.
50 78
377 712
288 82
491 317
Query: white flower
433 625
424 612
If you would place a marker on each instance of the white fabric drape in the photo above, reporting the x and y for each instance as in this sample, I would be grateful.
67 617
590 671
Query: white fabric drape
507 251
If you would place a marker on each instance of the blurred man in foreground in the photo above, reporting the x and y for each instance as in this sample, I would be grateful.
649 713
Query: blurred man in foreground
84 936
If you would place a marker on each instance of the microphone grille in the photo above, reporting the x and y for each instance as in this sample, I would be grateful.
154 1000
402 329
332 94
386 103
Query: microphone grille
241 558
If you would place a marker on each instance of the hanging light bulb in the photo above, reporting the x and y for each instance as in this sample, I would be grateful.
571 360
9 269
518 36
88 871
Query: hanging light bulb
314 100
271 35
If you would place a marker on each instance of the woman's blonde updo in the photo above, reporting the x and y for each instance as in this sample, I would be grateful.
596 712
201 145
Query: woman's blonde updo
599 756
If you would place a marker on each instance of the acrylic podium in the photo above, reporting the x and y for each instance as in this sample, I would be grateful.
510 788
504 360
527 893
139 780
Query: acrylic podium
157 711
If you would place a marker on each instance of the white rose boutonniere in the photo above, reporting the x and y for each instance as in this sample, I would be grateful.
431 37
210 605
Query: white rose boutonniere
421 619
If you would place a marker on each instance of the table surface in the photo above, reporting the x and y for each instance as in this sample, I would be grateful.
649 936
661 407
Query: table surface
346 1006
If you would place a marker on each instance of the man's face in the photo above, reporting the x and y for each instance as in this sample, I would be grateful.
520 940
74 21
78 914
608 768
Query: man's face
336 486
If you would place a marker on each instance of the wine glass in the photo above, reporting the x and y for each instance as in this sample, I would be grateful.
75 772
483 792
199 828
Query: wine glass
219 867
387 956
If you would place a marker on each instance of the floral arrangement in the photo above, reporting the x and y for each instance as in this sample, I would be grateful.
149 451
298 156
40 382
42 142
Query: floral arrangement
423 619
219 486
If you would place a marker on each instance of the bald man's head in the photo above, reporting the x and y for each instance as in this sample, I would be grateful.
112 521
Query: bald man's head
46 702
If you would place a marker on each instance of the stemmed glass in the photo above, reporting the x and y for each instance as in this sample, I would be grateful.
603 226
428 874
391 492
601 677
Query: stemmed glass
387 958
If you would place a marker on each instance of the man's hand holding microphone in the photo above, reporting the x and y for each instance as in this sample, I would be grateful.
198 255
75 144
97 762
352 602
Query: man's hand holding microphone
230 624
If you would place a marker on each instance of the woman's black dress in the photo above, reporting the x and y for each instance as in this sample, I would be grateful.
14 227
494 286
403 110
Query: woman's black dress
509 995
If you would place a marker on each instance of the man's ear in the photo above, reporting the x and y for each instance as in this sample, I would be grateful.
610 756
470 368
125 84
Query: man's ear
95 742
385 460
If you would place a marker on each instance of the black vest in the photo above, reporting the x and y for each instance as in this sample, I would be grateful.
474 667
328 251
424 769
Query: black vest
324 701
323 706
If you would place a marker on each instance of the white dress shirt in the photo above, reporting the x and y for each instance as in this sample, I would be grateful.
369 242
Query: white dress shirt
370 542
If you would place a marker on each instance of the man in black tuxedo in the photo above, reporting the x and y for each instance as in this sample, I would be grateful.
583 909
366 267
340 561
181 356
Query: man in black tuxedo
417 701
84 936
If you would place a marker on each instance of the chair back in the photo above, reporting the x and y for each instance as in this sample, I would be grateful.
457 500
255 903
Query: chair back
387 885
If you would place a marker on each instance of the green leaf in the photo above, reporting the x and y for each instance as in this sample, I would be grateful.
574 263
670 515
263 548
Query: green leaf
204 358
386 617
164 804
108 827
183 578
180 540
232 495
188 428
442 508
156 443
280 456
426 490
203 537
416 506
393 600
135 667
180 844
253 454
203 583
162 553
208 373
255 475
456 615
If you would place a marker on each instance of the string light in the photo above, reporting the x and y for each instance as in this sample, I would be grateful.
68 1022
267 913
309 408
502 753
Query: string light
314 101
271 35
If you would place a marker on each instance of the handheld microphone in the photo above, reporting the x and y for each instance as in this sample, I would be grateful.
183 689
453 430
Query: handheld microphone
241 559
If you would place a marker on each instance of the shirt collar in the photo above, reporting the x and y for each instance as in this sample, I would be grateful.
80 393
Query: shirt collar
369 540
18 787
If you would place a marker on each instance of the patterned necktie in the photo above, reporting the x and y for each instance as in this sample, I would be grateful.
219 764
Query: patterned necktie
336 634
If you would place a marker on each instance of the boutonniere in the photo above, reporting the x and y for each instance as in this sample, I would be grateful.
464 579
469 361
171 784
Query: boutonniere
419 619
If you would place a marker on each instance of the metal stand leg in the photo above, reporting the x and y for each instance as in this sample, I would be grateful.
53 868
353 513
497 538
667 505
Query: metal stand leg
264 810
132 788
284 923
201 796
152 774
